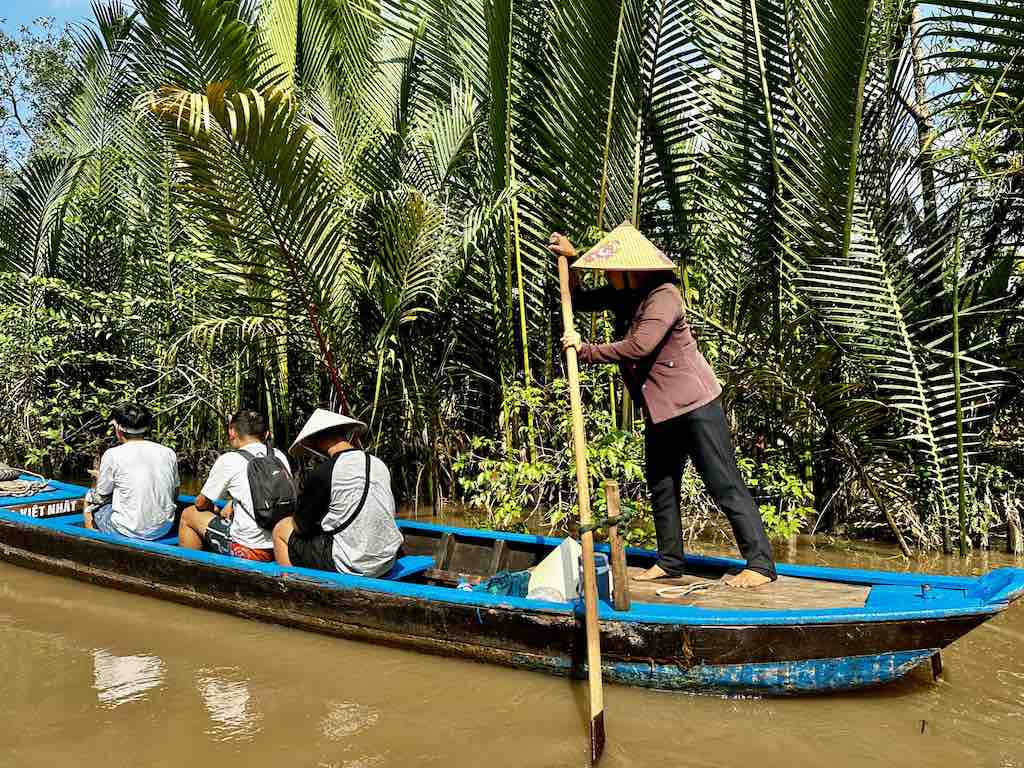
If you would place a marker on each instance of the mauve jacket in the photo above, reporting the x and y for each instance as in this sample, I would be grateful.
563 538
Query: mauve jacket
658 356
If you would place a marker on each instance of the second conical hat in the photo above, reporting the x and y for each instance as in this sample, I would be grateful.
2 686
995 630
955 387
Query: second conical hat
321 421
625 248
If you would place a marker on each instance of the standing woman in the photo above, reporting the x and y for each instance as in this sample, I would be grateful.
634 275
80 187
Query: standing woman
674 385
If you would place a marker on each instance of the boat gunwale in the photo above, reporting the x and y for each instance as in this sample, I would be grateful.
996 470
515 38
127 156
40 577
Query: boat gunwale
813 572
642 613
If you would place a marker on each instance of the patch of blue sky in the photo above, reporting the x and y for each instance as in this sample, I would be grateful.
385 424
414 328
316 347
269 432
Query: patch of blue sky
18 13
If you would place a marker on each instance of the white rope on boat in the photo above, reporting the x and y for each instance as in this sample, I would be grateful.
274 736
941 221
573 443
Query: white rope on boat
688 589
11 483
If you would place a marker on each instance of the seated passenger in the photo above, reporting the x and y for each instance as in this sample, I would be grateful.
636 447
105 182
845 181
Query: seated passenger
137 482
234 530
345 520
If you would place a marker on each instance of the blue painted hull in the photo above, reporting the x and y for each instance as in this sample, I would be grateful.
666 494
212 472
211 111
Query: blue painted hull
905 620
777 678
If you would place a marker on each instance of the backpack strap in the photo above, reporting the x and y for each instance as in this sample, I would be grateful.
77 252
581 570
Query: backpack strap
359 507
248 460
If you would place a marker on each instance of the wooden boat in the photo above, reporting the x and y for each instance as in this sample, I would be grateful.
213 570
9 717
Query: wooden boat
815 630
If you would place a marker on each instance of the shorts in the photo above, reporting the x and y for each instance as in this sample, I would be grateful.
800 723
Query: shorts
249 553
218 536
315 552
101 518
218 539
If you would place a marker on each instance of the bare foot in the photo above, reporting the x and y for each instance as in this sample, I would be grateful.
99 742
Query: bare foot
652 573
746 579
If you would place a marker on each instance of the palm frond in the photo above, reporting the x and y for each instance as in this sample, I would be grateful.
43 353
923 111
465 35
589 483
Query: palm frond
260 181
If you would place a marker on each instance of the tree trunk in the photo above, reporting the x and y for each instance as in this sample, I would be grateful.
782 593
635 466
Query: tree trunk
1014 534
829 498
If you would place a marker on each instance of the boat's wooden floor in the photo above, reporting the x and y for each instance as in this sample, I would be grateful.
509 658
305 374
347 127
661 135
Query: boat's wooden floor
787 593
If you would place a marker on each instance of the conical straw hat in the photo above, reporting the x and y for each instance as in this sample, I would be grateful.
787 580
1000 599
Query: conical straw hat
625 248
321 421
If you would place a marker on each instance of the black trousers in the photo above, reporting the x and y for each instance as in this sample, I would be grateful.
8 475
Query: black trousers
703 436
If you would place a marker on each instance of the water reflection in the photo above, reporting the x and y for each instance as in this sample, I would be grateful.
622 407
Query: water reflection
121 679
363 762
229 704
347 718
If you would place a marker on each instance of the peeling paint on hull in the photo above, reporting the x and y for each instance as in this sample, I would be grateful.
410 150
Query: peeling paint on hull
775 678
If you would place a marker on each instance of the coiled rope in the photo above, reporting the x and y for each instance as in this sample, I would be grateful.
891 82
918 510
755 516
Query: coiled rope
11 483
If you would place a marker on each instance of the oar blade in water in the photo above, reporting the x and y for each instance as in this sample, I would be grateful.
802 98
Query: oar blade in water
596 737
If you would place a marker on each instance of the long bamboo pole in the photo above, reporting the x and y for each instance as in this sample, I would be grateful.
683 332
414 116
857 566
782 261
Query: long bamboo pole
579 440
960 459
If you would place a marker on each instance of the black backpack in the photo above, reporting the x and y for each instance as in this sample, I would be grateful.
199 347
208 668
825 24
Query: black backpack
274 495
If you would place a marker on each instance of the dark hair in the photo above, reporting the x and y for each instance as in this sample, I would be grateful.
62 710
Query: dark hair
133 418
657 278
664 276
249 424
347 432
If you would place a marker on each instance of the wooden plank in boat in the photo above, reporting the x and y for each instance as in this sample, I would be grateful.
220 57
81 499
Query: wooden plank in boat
48 508
788 593
499 557
444 551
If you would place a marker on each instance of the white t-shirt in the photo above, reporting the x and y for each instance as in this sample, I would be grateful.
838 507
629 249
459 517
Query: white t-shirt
140 478
229 477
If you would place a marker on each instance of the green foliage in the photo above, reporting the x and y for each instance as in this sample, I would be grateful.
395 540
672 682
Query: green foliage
784 499
59 392
998 498
517 491
35 67
350 205
71 362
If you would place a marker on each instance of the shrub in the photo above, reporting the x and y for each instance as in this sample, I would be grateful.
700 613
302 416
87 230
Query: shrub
517 489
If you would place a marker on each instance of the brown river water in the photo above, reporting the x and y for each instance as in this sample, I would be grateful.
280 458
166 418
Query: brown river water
91 676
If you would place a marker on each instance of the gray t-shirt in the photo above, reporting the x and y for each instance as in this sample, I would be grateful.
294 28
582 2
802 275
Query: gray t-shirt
369 544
